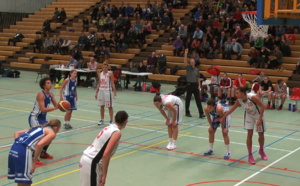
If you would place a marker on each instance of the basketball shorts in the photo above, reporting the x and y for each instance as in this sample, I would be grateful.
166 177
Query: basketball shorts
35 121
105 97
89 173
216 124
72 101
179 109
20 164
250 123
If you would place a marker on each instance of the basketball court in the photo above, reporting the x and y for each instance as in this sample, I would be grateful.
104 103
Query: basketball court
141 158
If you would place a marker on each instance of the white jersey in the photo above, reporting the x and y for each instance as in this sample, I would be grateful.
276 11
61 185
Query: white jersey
170 98
105 81
96 150
280 89
251 108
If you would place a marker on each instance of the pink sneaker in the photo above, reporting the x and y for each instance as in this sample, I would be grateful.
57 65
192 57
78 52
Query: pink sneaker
251 160
263 155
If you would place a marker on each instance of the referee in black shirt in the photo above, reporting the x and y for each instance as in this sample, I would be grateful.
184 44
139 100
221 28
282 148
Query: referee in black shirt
193 86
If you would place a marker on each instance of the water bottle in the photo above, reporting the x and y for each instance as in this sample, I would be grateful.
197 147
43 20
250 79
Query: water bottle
62 66
294 107
290 107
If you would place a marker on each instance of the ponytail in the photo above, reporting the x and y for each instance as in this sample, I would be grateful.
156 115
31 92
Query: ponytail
157 97
52 123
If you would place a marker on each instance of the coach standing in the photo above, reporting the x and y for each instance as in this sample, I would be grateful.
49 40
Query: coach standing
193 86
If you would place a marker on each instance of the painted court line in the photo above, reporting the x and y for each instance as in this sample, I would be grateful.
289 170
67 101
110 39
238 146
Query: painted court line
122 155
266 167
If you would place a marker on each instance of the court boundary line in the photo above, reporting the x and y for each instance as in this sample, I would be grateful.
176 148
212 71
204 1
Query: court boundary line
251 176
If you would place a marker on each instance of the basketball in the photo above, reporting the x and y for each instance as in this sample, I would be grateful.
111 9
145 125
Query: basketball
64 105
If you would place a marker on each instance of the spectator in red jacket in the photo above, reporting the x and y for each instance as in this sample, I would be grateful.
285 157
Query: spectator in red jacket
225 87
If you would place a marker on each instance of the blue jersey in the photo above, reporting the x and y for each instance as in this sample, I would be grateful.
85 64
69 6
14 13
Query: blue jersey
31 138
37 117
70 93
214 115
70 88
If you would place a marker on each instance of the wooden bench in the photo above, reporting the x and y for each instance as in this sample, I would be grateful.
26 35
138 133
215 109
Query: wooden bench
7 53
117 61
43 56
3 58
25 65
18 44
11 48
161 77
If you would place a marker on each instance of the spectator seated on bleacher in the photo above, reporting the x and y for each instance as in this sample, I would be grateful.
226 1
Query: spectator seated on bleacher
239 35
214 50
222 40
195 46
198 34
140 39
196 57
38 44
147 27
85 24
165 22
131 38
224 88
104 53
48 44
63 15
161 63
76 53
275 59
269 42
137 26
147 13
56 44
129 10
280 93
259 78
209 34
227 49
285 46
151 62
112 44
141 68
178 46
265 90
173 35
204 48
82 41
17 38
65 47
254 57
56 15
138 12
228 26
101 24
237 17
119 23
108 25
122 44
258 43
46 27
182 32
264 54
216 26
280 30
237 49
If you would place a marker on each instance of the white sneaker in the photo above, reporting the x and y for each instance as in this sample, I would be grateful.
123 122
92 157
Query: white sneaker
173 146
169 145
101 122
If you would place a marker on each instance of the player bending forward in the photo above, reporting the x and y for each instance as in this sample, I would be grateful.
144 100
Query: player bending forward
213 112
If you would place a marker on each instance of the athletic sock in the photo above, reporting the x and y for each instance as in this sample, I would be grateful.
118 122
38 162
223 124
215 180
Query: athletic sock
249 150
211 146
227 148
261 147
269 102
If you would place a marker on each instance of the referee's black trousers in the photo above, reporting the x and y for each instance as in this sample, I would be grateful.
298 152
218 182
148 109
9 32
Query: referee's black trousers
192 88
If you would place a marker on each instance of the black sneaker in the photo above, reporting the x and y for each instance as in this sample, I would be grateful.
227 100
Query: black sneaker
188 115
67 126
202 116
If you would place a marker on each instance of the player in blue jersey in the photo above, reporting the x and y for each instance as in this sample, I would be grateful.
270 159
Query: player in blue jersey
29 143
68 92
40 109
214 111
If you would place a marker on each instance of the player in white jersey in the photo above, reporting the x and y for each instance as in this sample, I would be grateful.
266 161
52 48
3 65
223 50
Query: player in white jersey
171 107
214 111
68 91
95 159
106 92
254 117
40 109
280 93
27 143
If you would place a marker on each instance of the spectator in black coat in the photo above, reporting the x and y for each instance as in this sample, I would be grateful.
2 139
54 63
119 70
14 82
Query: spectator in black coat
38 44
17 38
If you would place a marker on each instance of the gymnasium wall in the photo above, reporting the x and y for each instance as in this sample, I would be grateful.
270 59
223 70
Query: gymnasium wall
23 6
